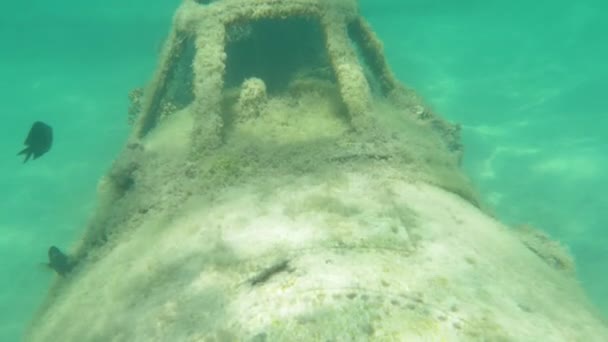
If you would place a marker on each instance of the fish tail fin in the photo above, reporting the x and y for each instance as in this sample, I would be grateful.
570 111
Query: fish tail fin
26 152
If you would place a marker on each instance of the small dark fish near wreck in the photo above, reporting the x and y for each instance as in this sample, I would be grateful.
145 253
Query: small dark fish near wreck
39 141
59 262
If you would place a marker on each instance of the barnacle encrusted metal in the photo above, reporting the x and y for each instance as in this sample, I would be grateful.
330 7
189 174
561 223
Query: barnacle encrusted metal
197 57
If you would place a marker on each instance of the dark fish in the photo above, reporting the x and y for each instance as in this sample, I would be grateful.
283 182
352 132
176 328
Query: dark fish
269 272
38 141
59 262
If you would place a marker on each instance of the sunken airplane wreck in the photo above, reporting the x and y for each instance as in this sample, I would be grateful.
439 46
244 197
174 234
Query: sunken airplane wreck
280 184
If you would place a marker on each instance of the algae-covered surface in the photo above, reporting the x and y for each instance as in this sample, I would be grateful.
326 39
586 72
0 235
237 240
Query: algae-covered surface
279 188
303 223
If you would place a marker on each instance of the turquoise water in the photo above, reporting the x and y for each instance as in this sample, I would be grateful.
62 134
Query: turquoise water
526 82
